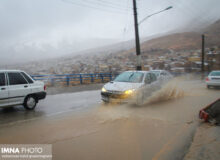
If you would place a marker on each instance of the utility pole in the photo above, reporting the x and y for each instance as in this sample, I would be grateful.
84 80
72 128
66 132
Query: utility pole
138 49
203 53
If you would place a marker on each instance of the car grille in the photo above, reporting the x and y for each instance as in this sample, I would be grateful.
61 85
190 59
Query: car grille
114 94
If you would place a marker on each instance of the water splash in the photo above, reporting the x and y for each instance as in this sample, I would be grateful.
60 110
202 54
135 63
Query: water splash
169 91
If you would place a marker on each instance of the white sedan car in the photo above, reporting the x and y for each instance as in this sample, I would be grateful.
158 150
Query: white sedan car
213 79
130 86
18 88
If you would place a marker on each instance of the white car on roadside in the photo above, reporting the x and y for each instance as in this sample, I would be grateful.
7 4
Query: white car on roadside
130 86
213 79
18 88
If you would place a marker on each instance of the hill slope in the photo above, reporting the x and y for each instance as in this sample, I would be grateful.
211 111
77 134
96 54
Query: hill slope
123 54
185 41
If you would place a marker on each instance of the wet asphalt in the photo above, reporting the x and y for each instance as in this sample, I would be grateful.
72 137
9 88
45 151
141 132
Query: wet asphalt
59 100
163 130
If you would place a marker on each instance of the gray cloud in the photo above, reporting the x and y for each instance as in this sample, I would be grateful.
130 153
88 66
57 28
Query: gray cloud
34 29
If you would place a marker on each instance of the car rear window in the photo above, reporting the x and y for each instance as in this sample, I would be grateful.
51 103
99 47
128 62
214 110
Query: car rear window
16 78
2 79
215 73
27 77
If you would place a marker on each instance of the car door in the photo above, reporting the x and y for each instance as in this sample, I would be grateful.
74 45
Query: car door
163 77
147 89
18 88
3 90
155 84
151 84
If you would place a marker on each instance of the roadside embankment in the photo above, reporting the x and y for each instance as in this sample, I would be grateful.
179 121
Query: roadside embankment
205 144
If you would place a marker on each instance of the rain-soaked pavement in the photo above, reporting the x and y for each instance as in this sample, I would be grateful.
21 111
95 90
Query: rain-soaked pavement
51 106
79 126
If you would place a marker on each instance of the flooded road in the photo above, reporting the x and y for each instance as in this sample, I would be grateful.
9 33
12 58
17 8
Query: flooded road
79 126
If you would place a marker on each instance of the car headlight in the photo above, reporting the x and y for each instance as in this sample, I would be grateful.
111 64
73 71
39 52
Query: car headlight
103 89
129 92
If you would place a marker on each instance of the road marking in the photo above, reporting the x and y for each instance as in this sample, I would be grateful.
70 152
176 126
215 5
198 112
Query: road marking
167 146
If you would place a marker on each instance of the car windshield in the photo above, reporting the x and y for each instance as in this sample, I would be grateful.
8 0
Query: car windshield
133 77
157 73
215 73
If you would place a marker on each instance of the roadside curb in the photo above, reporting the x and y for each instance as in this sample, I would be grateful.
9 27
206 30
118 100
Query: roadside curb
205 144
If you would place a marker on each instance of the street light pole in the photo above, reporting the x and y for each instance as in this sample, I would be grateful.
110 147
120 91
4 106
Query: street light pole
137 40
203 53
138 49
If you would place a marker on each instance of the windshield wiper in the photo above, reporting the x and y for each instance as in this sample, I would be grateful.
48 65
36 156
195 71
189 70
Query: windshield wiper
131 76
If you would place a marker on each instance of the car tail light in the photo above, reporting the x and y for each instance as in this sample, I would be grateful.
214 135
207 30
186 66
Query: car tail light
203 115
45 87
200 114
207 79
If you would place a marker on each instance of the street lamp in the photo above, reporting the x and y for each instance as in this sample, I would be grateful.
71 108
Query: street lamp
170 7
138 49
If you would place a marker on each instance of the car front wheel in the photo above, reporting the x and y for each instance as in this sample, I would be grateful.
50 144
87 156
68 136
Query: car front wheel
30 102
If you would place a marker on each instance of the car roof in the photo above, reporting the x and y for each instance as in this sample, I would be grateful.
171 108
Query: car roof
10 70
138 71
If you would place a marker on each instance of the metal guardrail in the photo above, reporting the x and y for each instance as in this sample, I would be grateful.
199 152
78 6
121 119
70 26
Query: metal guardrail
74 79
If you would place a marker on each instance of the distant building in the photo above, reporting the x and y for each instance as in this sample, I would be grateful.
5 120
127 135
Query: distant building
178 69
194 59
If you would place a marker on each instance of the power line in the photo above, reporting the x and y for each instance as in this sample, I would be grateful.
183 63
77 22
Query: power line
87 5
90 5
115 4
104 4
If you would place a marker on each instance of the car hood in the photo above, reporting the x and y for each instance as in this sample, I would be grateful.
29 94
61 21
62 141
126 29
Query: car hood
121 86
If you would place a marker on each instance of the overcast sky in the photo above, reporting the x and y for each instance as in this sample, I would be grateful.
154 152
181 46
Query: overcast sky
33 29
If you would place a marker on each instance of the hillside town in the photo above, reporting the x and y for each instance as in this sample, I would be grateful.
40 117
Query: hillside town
174 61
177 52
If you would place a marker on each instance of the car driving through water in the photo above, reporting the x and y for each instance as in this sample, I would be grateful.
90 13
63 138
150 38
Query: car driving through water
131 86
